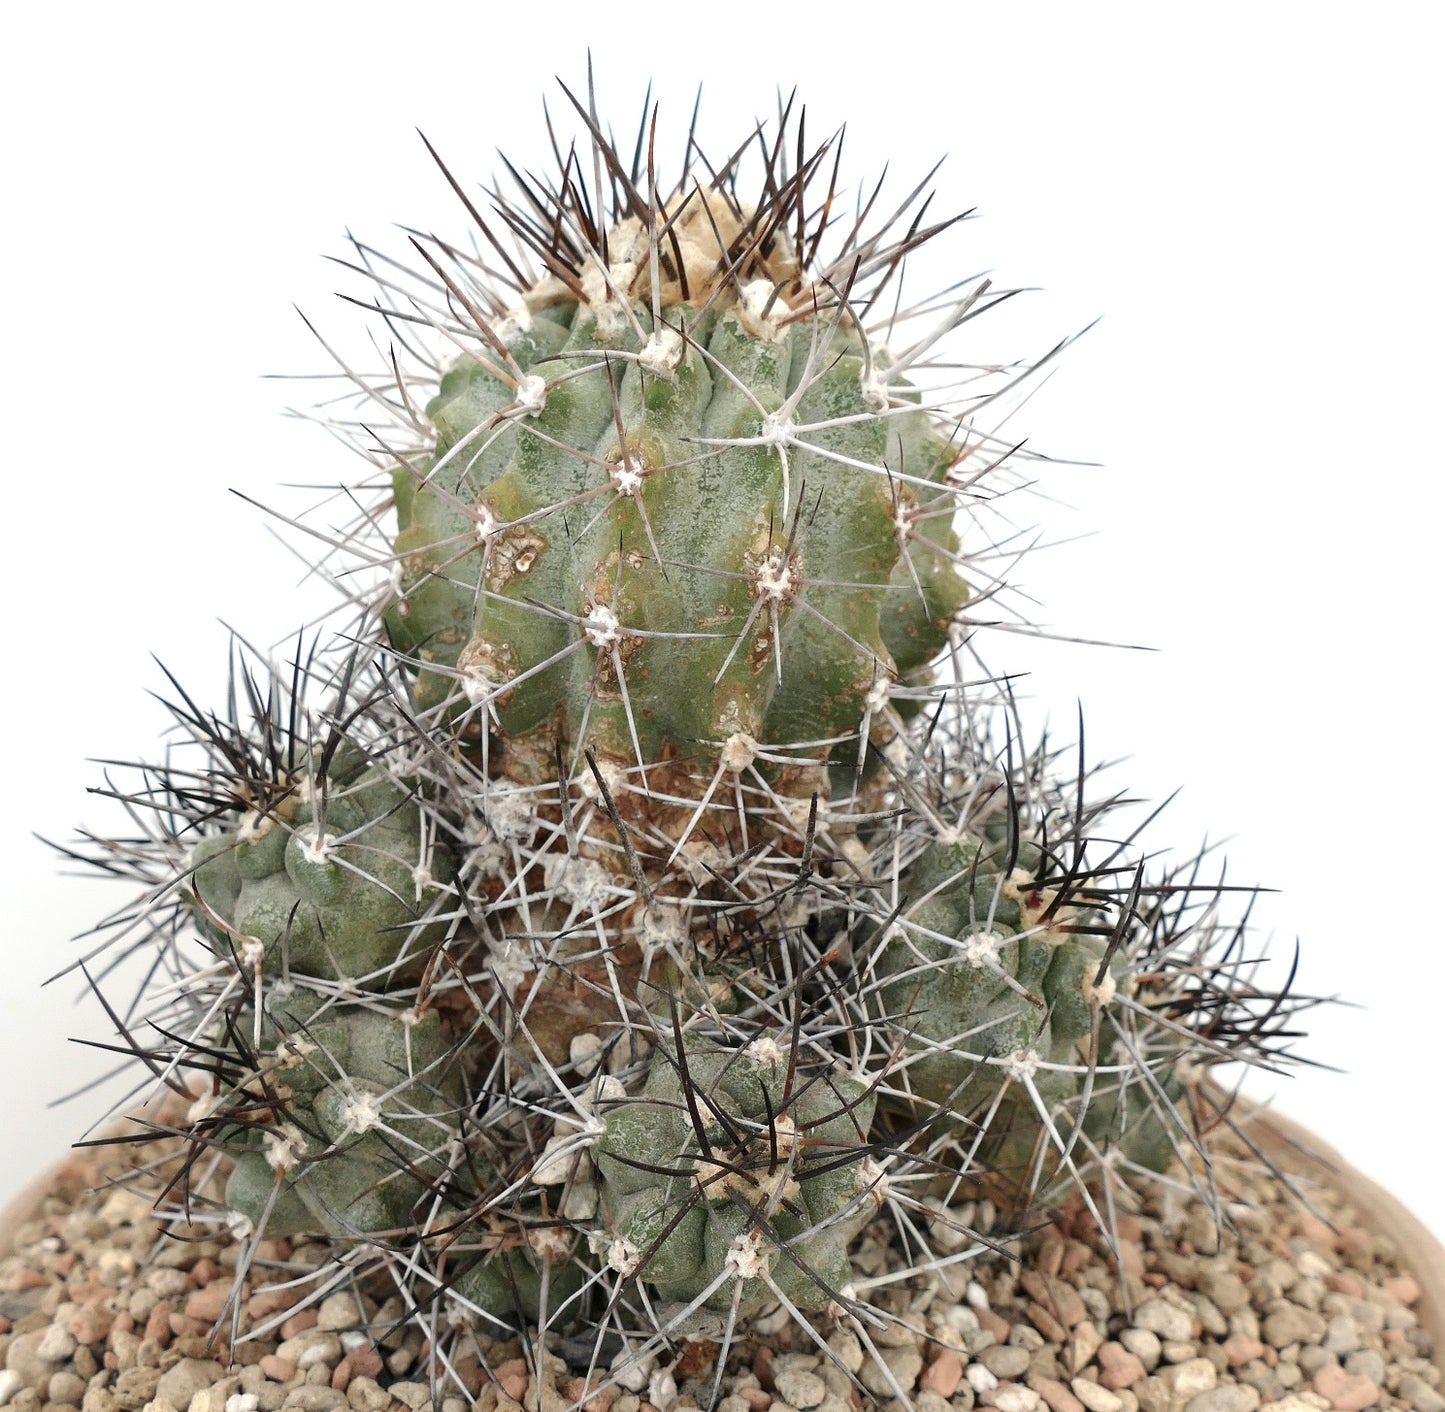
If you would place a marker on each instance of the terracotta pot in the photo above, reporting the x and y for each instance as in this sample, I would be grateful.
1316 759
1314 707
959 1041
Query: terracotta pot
1379 1211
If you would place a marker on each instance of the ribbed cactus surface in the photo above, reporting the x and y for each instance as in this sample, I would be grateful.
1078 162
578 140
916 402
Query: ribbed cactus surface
734 1162
672 529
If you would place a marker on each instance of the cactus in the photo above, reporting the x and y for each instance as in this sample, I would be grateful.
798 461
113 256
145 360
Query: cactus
639 906
736 1179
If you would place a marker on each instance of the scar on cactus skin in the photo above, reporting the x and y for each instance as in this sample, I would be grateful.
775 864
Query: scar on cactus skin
646 914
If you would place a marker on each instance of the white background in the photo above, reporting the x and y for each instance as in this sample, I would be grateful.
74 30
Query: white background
1247 192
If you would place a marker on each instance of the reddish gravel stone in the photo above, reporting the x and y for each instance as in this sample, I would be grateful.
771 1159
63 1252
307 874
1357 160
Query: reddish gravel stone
205 1271
1120 1368
158 1324
1058 1297
206 1303
279 1370
1131 1260
1045 1322
1240 1348
359 1363
299 1323
512 1378
1056 1395
266 1302
1318 1232
1347 1392
944 1374
997 1326
92 1324
1403 1288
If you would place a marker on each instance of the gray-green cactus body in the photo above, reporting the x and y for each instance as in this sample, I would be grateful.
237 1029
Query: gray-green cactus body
359 1106
518 1279
336 878
995 984
763 1197
655 533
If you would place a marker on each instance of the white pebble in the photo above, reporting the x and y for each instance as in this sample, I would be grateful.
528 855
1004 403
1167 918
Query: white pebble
1014 1397
57 1344
662 1389
845 1347
10 1383
1096 1398
979 1378
1144 1345
800 1388
630 1370
1188 1380
1162 1318
1227 1397
585 1052
339 1311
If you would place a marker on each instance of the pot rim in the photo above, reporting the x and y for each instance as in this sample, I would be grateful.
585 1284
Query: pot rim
1379 1211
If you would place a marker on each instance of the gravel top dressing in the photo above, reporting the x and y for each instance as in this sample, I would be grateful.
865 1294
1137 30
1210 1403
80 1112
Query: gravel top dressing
1290 1307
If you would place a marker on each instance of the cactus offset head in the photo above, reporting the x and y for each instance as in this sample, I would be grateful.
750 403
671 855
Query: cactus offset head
737 1178
684 508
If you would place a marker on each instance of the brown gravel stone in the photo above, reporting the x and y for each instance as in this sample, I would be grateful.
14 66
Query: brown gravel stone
1056 1395
266 1302
944 1374
1059 1297
1240 1348
158 1325
136 1386
1118 1367
91 1323
512 1378
298 1323
205 1304
1403 1288
1045 1322
1347 1392
205 1271
359 1362
278 1370
997 1326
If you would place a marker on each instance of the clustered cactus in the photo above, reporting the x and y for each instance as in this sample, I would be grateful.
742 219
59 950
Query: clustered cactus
652 892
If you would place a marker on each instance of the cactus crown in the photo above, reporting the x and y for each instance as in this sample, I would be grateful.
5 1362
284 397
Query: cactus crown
656 903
